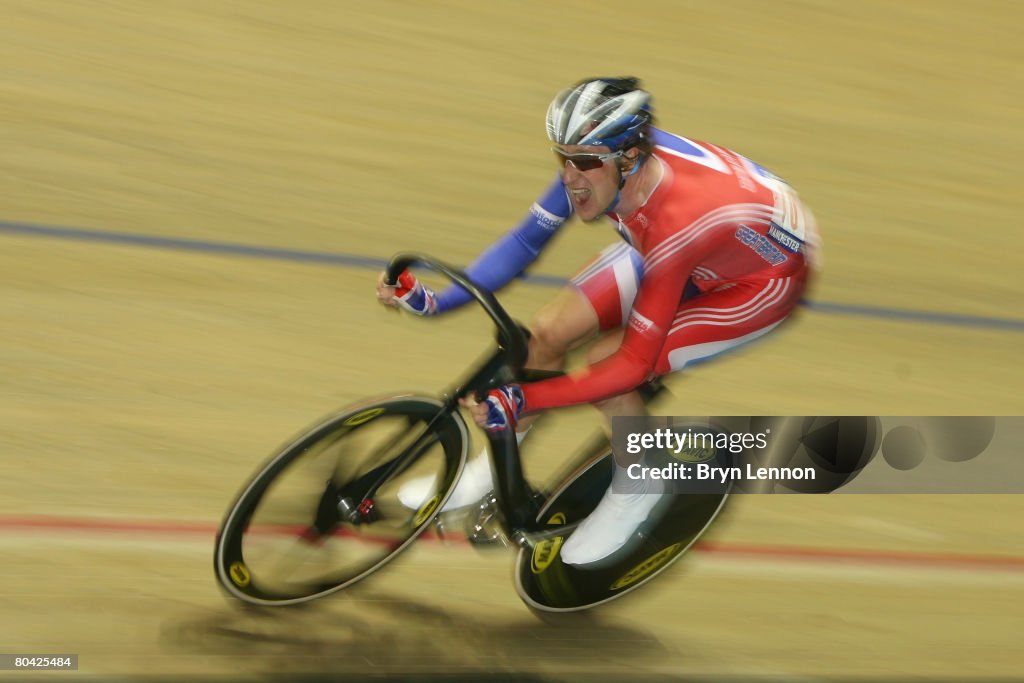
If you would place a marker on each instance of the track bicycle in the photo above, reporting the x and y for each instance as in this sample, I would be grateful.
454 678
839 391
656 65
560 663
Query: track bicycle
323 513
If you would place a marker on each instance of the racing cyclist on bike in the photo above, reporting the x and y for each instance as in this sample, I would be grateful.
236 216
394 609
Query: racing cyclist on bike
715 252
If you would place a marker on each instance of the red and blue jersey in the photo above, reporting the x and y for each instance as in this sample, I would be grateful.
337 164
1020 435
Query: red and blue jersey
715 220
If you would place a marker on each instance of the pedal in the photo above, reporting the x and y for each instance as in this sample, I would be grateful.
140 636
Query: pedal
530 539
440 527
483 524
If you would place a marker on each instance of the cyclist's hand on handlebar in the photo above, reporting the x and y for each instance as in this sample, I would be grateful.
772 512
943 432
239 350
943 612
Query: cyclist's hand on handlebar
409 293
500 410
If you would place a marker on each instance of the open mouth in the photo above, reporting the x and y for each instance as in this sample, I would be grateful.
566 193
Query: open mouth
580 196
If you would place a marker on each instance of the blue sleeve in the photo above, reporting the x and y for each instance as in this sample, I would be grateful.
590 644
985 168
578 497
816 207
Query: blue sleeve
517 249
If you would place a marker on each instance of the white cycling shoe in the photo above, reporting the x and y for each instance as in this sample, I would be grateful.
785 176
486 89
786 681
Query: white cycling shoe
609 528
473 485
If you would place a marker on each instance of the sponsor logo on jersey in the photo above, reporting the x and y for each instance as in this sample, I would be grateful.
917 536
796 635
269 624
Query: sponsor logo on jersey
786 240
545 218
640 323
761 245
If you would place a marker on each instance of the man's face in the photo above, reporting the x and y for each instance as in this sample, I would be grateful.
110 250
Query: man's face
593 189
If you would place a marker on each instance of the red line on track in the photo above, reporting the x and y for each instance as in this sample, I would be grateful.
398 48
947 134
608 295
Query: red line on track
109 525
866 556
780 552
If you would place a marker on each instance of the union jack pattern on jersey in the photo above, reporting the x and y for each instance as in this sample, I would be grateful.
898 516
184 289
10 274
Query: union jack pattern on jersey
718 256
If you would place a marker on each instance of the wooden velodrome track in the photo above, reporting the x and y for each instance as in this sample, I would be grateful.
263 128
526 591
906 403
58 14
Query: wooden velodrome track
140 383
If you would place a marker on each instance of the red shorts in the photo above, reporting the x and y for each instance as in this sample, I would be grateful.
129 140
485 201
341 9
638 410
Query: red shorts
706 323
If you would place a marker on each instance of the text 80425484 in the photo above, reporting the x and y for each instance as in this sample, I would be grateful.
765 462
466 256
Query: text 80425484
22 662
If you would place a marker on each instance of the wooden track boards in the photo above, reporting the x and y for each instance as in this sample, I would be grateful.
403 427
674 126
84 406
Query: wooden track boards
139 385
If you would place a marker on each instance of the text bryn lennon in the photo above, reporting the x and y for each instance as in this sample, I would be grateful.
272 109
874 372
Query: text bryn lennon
705 472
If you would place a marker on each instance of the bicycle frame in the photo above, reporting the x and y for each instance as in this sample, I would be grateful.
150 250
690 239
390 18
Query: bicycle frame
514 510
516 501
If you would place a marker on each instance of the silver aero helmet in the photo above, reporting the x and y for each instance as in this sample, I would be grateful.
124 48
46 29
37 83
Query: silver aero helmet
612 112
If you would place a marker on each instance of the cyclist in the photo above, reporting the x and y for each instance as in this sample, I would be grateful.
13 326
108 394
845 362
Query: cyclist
715 253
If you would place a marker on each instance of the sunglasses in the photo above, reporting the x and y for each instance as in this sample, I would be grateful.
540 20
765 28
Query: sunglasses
584 162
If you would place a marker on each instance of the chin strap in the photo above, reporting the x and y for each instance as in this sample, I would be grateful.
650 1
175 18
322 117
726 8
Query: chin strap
623 177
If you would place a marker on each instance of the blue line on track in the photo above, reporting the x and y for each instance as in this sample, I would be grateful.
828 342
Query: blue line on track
908 315
297 255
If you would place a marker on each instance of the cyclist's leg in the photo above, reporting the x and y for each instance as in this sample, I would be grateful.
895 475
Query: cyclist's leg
727 318
706 325
561 325
598 299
